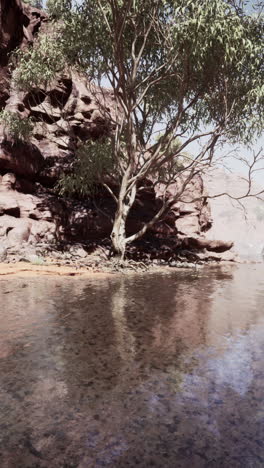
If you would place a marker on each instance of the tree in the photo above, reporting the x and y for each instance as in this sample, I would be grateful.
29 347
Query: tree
35 3
189 68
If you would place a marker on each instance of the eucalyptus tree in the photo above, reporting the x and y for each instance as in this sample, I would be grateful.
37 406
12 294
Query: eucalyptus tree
187 69
34 3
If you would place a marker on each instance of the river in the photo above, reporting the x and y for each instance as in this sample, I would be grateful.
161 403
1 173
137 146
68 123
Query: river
152 370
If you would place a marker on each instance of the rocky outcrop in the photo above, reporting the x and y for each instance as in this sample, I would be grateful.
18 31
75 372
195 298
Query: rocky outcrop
19 24
26 217
70 110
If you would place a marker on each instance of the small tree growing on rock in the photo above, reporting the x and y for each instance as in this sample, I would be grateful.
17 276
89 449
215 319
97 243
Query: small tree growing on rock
17 128
188 69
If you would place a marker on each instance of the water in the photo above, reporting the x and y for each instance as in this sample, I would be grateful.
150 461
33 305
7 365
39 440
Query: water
162 370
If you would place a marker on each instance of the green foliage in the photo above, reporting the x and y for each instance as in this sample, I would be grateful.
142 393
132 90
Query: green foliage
208 54
214 52
94 160
185 65
18 128
34 3
57 8
39 64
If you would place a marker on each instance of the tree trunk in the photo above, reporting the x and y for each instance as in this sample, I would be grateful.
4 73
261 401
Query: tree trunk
118 234
126 197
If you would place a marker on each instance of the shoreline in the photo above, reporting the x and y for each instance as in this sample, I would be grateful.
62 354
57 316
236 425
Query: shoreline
79 260
29 270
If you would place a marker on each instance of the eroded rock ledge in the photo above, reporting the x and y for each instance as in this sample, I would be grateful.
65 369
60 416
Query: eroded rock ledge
30 211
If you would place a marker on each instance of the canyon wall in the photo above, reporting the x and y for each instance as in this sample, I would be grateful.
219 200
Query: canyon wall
69 110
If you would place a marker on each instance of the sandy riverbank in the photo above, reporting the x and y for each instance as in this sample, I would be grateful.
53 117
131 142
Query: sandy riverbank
27 269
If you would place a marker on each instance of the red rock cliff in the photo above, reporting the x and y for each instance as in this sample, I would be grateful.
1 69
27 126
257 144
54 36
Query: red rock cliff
30 211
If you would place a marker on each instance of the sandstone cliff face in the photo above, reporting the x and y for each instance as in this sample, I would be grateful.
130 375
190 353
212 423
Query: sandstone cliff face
18 25
70 109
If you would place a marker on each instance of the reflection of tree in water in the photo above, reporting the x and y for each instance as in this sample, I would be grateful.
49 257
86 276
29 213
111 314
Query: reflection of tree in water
89 353
92 342
65 339
104 378
168 314
130 324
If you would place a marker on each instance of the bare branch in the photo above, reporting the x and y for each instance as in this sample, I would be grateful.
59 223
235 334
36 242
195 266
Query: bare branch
106 186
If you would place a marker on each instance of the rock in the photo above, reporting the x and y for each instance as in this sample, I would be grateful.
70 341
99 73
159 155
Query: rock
188 224
21 158
66 113
3 253
181 264
19 234
32 258
8 181
204 243
78 252
229 257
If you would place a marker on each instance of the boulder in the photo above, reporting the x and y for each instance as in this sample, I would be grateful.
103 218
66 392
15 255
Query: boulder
23 159
201 243
71 109
20 233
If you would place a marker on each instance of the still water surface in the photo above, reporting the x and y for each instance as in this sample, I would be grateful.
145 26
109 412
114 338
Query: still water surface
154 370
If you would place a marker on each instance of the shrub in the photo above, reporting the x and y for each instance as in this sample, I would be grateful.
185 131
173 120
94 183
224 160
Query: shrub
18 128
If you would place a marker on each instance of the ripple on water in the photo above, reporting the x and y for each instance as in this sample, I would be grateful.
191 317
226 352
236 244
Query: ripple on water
160 370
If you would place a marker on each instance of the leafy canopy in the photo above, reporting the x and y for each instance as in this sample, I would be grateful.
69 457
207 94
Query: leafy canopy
207 54
34 3
183 64
162 54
